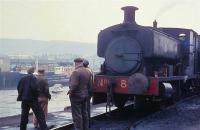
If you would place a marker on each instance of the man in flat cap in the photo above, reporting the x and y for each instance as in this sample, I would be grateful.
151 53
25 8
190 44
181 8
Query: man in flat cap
28 95
78 94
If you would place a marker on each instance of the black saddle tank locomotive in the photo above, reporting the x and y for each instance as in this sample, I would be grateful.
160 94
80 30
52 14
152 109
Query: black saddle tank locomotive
146 62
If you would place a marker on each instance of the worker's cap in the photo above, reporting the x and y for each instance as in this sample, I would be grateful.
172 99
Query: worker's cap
78 59
31 70
41 71
85 62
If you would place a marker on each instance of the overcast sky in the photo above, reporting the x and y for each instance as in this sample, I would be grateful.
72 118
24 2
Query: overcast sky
81 20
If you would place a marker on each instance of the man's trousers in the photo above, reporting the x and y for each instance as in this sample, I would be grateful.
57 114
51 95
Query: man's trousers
79 113
34 105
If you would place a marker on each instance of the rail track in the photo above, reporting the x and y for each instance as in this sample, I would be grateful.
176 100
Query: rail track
135 124
117 119
70 125
121 119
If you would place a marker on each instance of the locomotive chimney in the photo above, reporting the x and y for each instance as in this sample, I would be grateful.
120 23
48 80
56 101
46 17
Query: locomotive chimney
129 14
155 24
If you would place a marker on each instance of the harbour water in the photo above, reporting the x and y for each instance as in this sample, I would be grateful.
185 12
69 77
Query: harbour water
10 107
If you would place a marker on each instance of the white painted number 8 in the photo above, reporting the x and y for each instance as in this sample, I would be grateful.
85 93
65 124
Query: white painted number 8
123 84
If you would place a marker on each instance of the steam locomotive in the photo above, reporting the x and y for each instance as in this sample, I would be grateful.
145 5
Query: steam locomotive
146 64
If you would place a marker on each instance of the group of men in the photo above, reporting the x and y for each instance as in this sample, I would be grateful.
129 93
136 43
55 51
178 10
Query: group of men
80 92
33 92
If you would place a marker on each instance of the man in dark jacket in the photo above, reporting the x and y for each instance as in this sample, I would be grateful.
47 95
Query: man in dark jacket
28 94
78 95
44 95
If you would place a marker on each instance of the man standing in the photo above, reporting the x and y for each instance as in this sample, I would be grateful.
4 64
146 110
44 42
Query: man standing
44 95
28 94
78 95
90 91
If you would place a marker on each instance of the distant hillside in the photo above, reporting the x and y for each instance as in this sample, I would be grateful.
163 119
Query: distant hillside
37 47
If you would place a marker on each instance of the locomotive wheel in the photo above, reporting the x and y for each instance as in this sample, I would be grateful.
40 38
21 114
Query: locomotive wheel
167 102
120 100
140 103
141 106
186 89
144 105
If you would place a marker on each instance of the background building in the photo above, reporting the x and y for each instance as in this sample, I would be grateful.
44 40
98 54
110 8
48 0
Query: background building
4 64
